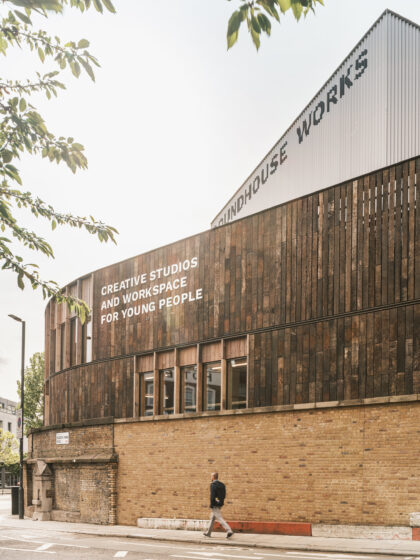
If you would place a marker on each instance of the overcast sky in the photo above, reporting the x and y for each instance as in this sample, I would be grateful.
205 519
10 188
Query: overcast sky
172 127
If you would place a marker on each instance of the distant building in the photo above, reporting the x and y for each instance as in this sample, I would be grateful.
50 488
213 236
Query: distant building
8 418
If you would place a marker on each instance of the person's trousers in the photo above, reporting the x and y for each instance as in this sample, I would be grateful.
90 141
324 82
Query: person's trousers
216 515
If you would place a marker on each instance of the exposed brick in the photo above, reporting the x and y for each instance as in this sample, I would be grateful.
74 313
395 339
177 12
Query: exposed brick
360 467
164 467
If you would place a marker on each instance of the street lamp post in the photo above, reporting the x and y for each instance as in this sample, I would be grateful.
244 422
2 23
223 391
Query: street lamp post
22 400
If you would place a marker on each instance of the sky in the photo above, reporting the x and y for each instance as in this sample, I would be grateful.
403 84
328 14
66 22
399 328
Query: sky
172 127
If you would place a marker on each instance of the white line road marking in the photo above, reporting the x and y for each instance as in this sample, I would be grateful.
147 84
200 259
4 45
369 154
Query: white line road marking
325 554
144 544
27 550
216 556
45 546
192 557
26 539
121 554
211 554
22 540
335 557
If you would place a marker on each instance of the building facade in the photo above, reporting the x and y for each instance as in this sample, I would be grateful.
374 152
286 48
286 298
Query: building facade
281 349
8 419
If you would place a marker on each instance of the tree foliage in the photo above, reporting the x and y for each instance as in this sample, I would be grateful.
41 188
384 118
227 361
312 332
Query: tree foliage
23 130
258 15
34 392
9 449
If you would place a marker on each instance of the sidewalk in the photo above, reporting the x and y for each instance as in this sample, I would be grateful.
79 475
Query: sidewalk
365 546
317 544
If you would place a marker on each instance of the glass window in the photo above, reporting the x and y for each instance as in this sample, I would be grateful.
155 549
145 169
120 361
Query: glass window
87 341
62 345
73 341
213 385
146 393
52 352
9 426
236 382
189 389
167 379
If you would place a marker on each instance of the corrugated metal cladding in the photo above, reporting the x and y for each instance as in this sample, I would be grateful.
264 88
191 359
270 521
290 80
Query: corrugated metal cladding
364 118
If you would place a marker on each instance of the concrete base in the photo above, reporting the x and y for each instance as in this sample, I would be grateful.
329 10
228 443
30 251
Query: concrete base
371 532
67 516
178 524
255 527
415 519
362 532
41 516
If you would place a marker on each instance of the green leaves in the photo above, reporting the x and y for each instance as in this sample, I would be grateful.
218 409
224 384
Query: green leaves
23 130
9 449
45 6
257 14
34 392
83 44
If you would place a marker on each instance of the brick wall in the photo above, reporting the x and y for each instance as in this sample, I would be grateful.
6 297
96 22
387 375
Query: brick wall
84 473
83 489
82 440
335 465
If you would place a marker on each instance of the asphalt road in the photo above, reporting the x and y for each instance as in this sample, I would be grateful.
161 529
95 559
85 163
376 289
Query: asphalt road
37 544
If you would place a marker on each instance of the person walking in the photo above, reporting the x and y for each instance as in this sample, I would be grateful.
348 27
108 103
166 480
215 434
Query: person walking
217 499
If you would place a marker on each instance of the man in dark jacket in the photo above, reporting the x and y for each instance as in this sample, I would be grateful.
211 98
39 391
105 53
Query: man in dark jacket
217 499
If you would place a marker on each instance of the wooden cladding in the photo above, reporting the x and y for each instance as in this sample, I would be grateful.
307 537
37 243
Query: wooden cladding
326 288
362 356
349 248
91 391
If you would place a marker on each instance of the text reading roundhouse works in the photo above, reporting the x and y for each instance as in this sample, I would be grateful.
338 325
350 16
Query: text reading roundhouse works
148 292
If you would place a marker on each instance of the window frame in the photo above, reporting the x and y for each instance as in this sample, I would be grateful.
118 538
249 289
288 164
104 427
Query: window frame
183 387
165 410
229 403
143 395
218 405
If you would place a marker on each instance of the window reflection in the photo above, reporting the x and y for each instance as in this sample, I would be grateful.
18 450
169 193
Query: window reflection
237 382
147 386
166 377
189 388
213 384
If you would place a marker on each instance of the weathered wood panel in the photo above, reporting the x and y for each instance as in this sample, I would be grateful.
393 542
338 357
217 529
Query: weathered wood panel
312 270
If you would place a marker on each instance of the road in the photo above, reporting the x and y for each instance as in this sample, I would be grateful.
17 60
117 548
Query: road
37 544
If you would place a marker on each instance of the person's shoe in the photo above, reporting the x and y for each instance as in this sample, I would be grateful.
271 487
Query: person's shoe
206 535
230 533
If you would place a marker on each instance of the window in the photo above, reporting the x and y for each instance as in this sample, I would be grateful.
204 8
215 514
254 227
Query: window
62 345
52 352
212 382
166 377
189 389
236 383
87 341
9 426
146 393
1 424
73 341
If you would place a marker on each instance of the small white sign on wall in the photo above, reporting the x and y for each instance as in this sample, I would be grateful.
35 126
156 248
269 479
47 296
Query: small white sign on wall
62 438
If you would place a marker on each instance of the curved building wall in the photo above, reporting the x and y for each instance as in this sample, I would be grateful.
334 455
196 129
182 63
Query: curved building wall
282 350
321 295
